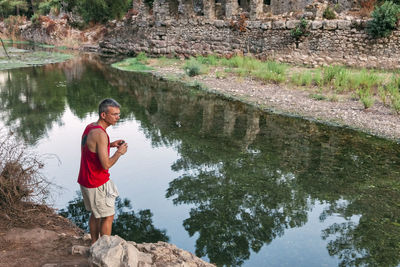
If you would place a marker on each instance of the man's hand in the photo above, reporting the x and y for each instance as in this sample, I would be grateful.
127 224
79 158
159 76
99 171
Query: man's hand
117 143
122 148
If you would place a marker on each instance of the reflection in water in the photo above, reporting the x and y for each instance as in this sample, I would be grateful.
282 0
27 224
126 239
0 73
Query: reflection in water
128 225
247 175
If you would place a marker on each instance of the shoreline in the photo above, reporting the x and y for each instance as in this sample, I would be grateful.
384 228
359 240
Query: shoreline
346 112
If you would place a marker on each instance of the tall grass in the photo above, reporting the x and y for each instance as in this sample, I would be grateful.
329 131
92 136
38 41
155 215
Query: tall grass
194 67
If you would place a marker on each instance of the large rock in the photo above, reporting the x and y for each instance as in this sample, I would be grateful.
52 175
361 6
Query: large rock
113 251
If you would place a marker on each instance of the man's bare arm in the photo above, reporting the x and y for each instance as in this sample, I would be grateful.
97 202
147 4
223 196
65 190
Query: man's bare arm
102 150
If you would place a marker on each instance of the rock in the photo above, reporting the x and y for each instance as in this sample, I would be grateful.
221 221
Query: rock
291 24
278 25
110 251
316 24
80 250
86 237
330 24
344 24
253 24
219 23
266 25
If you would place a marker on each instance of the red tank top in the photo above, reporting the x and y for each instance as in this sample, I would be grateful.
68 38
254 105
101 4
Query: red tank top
91 172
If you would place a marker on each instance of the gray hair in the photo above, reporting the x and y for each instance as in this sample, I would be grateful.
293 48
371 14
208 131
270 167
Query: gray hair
108 102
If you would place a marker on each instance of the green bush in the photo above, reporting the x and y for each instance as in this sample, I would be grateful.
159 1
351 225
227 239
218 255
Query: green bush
142 57
384 19
329 13
300 30
102 10
192 67
366 97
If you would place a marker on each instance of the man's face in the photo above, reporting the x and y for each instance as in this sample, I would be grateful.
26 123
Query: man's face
112 115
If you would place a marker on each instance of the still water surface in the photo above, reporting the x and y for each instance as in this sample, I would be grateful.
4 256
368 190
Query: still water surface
228 182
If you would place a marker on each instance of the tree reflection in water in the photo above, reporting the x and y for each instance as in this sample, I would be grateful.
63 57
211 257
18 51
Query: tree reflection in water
127 224
248 175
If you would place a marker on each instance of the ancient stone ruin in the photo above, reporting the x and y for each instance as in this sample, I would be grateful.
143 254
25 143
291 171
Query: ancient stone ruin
228 9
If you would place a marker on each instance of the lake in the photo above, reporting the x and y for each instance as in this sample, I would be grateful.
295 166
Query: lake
233 184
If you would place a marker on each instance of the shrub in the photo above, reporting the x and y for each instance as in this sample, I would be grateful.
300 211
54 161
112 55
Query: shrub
366 97
102 10
300 30
142 57
384 19
192 67
20 177
330 73
329 13
302 79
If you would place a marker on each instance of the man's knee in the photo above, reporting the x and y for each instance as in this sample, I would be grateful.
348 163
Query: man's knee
108 218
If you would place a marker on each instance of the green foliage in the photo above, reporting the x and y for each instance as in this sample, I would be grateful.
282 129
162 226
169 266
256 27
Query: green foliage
193 68
329 13
133 64
35 19
384 19
220 75
102 10
165 61
13 7
302 79
46 6
329 73
127 224
142 57
149 3
209 60
300 30
365 97
318 96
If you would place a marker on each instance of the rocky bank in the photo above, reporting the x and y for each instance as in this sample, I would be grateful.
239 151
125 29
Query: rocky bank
41 238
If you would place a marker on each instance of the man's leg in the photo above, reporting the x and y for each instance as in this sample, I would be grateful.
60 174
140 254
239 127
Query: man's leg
94 227
106 225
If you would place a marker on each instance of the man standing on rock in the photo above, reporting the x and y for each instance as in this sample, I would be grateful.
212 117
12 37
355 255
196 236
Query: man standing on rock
98 191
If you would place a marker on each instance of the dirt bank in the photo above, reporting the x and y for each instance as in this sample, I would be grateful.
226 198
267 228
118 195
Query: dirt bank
37 237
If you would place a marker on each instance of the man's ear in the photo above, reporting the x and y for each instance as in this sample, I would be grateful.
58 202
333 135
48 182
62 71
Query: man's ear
103 115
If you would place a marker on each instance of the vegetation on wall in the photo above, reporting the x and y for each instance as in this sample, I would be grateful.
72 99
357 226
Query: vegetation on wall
384 19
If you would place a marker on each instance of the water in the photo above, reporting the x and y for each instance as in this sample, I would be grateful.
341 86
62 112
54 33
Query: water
226 181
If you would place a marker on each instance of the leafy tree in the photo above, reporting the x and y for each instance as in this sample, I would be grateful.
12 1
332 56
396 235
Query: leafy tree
102 10
13 7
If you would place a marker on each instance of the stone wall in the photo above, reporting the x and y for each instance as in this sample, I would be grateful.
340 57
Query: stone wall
328 41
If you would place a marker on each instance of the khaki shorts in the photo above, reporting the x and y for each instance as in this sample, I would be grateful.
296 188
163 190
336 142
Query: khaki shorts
100 200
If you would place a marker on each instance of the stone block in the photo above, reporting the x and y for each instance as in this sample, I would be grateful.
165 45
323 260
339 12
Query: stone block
316 25
344 24
291 24
219 23
330 24
253 24
266 25
278 25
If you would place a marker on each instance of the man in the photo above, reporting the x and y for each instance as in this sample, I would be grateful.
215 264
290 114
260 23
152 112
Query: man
98 191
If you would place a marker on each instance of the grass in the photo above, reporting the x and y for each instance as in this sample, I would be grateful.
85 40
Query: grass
131 64
165 61
325 83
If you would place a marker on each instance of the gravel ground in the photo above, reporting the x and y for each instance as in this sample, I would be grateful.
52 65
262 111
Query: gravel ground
378 120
